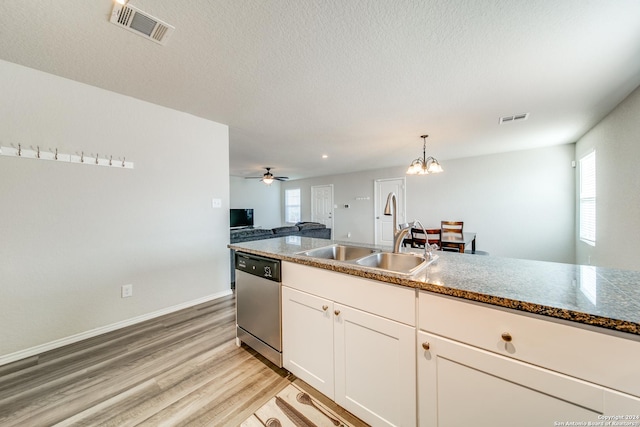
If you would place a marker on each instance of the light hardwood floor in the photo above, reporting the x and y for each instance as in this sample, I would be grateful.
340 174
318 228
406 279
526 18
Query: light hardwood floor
182 369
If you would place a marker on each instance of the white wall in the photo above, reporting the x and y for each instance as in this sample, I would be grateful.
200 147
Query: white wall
72 235
521 204
616 140
264 199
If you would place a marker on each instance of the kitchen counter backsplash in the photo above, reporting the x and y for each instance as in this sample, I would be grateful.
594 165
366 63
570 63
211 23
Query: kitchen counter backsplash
597 296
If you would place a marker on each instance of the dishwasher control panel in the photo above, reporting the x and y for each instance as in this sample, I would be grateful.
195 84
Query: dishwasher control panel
255 265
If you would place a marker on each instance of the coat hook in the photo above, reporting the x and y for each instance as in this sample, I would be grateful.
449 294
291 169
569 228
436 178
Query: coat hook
56 155
123 159
96 158
82 157
110 160
19 149
38 152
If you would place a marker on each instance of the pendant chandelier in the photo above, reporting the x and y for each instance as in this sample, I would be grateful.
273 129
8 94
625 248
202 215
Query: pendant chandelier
424 165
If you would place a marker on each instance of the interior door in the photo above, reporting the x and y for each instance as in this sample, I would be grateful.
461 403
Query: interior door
322 205
384 224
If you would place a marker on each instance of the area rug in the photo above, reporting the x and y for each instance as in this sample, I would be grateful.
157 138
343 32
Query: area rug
293 407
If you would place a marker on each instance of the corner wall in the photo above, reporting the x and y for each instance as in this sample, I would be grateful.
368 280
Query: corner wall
617 143
72 234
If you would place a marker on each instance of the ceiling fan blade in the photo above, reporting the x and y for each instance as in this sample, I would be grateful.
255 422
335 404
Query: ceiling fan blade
268 175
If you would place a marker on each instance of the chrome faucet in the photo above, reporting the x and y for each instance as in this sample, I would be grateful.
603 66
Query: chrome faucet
428 249
398 232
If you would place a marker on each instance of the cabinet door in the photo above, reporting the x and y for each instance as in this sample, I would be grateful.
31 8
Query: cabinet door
462 385
307 338
375 367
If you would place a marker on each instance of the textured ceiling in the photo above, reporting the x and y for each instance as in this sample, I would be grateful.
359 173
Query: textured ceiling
358 80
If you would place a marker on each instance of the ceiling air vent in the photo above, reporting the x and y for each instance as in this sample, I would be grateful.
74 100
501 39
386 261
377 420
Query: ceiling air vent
141 23
514 118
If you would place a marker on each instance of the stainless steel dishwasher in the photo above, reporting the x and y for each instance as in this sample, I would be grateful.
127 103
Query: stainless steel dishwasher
258 305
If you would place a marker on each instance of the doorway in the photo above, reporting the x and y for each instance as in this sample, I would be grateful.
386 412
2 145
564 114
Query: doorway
322 205
383 223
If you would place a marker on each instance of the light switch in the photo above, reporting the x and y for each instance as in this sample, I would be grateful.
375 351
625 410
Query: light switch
216 203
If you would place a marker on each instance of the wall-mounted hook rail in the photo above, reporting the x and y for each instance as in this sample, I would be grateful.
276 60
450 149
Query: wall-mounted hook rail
38 154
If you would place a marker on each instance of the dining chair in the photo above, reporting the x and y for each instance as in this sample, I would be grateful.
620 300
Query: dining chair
418 238
451 227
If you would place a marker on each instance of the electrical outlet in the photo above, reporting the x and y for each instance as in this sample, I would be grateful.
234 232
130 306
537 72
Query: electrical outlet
127 291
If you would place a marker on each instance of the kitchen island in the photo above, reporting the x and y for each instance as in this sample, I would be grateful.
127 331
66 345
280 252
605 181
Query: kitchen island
465 341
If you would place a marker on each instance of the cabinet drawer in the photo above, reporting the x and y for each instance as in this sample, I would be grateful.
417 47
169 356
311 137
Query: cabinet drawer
599 357
391 301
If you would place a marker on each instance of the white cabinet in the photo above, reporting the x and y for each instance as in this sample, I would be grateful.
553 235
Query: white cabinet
592 355
352 346
478 365
460 385
374 367
307 339
355 340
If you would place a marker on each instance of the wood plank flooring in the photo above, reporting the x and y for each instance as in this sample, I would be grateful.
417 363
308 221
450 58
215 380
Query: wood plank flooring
182 369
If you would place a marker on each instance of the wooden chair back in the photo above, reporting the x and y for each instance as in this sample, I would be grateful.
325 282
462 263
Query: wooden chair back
418 238
451 226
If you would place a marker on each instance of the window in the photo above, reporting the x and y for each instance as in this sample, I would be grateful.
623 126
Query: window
292 205
588 199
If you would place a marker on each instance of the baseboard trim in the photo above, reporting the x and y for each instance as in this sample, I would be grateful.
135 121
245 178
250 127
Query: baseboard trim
52 345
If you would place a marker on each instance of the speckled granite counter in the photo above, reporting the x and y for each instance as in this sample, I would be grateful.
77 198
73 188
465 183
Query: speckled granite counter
595 296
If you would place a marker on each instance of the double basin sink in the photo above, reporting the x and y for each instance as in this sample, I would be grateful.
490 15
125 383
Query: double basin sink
406 264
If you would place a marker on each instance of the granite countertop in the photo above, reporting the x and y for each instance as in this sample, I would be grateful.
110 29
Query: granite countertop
597 296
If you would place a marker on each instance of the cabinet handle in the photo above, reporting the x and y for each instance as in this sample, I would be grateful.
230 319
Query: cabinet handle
337 312
425 345
325 307
506 337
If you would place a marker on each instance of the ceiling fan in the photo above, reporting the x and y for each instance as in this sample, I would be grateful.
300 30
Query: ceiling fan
268 177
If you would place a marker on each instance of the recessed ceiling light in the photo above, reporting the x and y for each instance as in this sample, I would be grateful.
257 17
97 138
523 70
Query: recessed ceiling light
324 156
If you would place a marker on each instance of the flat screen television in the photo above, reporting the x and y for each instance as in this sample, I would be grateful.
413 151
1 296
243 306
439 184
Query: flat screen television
241 218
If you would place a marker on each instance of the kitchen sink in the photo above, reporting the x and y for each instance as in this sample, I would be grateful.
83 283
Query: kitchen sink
395 263
340 252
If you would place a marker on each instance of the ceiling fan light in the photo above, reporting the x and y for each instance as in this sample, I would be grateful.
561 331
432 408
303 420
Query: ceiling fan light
267 180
